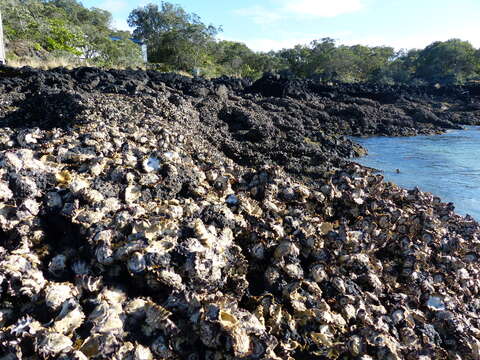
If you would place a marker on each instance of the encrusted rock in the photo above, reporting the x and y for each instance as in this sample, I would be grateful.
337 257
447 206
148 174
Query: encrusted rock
200 219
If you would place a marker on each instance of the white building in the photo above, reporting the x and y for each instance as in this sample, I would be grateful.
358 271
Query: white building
2 46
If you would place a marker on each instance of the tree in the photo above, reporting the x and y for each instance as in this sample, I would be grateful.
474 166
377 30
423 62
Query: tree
400 69
61 38
324 53
331 62
477 62
150 21
234 58
297 59
451 61
174 37
65 27
265 62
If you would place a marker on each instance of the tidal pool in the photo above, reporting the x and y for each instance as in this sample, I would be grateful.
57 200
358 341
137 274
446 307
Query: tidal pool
446 165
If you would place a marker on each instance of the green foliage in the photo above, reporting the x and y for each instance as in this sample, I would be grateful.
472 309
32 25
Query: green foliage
174 37
323 58
297 60
65 27
402 68
59 37
123 53
236 59
448 62
180 41
452 61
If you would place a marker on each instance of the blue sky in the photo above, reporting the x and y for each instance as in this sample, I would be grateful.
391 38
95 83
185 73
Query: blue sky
276 24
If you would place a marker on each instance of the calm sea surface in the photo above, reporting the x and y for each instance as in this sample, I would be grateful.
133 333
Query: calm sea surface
447 165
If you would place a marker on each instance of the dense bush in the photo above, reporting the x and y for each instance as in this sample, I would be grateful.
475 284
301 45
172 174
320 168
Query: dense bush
180 41
44 28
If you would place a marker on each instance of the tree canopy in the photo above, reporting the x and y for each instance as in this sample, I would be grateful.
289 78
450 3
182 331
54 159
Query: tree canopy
175 38
179 40
449 61
67 28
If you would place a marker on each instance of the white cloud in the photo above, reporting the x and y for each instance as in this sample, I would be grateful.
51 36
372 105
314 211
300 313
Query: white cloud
120 24
322 8
113 5
259 14
348 38
117 8
283 9
420 41
264 44
286 40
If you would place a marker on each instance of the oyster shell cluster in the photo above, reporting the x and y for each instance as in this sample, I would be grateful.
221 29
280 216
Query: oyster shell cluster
129 236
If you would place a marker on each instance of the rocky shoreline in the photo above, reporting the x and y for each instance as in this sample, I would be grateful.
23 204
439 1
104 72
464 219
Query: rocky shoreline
152 216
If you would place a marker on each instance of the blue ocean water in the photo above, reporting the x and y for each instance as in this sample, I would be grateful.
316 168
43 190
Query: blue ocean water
446 165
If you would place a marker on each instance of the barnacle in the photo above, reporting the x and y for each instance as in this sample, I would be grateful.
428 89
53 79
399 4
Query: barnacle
132 193
227 320
203 234
324 337
155 315
64 178
57 265
5 192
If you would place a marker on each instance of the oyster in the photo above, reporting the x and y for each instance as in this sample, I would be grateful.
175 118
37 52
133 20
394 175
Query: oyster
57 293
175 224
53 344
151 164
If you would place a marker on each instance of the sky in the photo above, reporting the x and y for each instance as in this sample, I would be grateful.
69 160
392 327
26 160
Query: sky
275 24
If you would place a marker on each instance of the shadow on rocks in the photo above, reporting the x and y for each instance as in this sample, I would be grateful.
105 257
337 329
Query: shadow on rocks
46 110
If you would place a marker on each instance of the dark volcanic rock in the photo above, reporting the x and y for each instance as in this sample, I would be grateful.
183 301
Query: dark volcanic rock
46 111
